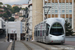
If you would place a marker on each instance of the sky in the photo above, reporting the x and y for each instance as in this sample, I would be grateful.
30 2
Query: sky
11 2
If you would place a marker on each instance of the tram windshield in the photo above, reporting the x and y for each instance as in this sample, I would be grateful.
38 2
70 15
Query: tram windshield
56 29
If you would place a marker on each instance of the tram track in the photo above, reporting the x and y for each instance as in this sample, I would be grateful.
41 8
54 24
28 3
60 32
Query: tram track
32 45
29 48
40 45
55 47
45 46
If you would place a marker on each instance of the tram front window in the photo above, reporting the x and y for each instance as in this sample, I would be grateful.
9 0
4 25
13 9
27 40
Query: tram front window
56 29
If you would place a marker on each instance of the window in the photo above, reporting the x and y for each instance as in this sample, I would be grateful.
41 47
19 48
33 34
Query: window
71 3
56 11
70 10
47 29
38 33
63 11
57 29
43 32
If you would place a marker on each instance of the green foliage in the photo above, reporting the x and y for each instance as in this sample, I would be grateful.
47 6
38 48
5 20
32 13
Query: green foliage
15 9
68 29
11 19
1 15
8 13
1 3
8 6
5 15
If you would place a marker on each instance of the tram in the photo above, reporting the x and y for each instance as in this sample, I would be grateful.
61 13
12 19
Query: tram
52 30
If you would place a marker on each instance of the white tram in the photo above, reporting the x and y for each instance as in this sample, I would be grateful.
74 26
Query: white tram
52 30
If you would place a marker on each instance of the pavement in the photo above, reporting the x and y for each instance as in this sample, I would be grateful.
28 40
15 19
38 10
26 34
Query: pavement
33 46
20 46
70 39
4 45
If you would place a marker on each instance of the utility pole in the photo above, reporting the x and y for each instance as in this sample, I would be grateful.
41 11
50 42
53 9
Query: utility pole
6 31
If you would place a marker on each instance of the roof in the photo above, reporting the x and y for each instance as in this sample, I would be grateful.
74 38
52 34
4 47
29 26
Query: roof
24 4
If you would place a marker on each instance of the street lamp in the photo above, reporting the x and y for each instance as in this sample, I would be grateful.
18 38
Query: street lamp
48 9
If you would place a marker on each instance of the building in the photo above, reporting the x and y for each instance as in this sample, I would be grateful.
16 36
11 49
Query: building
2 9
22 12
23 25
2 28
20 6
24 5
14 30
16 5
3 5
65 7
66 10
30 16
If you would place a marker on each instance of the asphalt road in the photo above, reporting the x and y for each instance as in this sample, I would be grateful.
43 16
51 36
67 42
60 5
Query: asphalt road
4 45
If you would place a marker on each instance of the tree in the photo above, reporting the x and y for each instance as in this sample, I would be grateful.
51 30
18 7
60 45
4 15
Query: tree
5 15
68 29
11 19
1 3
1 15
8 6
15 9
8 13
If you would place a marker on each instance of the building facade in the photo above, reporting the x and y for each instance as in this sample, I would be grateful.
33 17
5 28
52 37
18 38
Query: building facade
22 12
20 6
30 16
2 27
15 30
65 8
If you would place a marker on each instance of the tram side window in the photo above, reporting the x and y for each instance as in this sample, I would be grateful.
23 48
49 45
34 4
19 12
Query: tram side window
36 33
43 32
47 29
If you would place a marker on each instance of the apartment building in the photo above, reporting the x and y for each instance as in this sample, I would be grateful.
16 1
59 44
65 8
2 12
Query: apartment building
65 7
30 16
